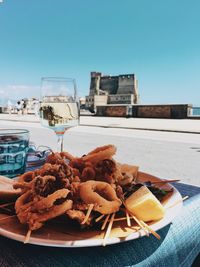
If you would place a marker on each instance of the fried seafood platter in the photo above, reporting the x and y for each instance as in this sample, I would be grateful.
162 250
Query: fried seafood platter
87 201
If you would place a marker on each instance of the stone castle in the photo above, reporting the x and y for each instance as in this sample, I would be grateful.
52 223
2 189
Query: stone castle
106 89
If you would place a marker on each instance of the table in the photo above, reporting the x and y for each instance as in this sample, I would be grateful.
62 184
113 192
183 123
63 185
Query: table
179 245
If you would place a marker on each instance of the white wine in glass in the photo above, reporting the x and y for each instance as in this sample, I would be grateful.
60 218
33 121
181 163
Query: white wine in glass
59 107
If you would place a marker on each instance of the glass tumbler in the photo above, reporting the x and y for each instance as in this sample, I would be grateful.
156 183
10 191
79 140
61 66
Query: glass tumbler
13 151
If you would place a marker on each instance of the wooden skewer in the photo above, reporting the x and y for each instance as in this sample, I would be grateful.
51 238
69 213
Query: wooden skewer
150 229
140 224
128 218
177 202
184 198
135 218
108 229
91 206
105 222
6 209
99 218
26 240
4 218
6 204
120 219
165 181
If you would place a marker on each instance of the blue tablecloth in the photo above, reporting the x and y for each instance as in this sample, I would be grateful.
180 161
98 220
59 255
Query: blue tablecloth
179 246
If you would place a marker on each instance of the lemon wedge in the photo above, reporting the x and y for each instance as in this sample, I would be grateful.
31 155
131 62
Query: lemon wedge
144 205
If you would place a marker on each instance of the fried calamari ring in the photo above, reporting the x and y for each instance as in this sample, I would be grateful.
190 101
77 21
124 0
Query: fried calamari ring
23 186
59 158
54 158
23 202
88 173
67 155
36 220
100 153
48 202
101 194
27 177
34 213
24 181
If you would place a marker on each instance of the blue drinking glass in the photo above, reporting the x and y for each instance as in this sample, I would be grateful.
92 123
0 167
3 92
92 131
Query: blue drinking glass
13 151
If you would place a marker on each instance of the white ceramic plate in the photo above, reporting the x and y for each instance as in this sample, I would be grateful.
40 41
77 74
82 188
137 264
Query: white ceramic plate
61 235
6 189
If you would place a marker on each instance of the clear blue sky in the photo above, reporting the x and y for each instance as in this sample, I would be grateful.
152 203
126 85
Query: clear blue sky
157 40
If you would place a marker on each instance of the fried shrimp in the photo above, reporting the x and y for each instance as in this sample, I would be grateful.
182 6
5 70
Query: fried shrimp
101 194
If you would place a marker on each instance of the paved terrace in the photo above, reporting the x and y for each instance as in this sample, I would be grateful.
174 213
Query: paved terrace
171 150
183 125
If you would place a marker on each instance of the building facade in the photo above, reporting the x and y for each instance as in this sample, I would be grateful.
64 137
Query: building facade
104 89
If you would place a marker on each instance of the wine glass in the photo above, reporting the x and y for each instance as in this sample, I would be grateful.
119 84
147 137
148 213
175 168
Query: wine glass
59 107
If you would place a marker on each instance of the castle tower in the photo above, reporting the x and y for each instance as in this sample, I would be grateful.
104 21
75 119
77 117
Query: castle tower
136 94
128 85
95 83
107 89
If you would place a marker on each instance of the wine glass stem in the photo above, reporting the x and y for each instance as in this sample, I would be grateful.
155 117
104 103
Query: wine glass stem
60 142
